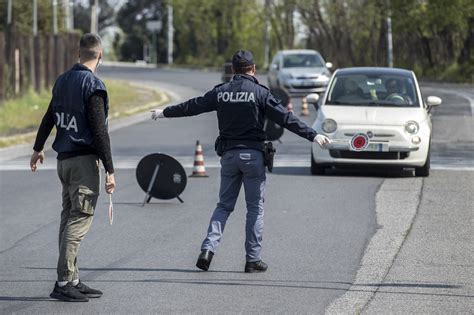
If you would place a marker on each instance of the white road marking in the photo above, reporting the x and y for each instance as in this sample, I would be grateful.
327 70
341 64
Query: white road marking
125 163
470 98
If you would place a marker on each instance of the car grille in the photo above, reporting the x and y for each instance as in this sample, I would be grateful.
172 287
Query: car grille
306 87
381 135
306 78
345 154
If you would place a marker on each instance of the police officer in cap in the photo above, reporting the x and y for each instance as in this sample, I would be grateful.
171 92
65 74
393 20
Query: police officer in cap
78 109
242 106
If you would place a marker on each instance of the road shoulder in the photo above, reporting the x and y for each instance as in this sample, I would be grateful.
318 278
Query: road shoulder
396 206
433 272
420 259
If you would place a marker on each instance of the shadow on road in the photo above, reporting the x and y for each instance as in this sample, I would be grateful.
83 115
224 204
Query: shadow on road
356 171
26 298
144 270
254 283
389 288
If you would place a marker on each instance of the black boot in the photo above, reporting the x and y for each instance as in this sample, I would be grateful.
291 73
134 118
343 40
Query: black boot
256 266
204 259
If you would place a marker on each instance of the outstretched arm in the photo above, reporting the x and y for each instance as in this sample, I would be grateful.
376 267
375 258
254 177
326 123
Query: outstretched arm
275 111
192 107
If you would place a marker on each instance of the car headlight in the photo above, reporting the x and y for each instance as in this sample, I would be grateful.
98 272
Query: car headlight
287 76
329 125
324 77
412 127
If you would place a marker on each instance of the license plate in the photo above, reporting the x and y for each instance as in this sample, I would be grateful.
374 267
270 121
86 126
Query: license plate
377 147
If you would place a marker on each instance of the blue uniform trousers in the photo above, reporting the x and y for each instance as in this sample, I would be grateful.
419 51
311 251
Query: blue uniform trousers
240 166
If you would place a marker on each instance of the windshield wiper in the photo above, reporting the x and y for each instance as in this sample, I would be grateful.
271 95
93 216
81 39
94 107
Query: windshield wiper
373 104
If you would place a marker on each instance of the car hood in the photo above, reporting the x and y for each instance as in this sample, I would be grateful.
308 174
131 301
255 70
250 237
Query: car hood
361 115
303 72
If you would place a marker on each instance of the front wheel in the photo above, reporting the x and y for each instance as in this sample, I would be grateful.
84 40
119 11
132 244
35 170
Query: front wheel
424 171
316 169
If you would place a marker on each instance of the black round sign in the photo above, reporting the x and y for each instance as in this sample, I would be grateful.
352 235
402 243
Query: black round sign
282 95
170 178
273 130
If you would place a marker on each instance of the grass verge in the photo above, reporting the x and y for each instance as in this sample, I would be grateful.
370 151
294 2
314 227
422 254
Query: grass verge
21 117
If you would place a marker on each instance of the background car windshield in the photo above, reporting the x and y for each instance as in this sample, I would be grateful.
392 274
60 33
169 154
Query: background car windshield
302 61
373 90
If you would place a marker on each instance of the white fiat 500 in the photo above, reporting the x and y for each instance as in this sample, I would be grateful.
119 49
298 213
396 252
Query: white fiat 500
374 116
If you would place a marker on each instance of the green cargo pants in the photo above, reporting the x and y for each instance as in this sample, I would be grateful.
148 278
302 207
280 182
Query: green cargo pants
80 179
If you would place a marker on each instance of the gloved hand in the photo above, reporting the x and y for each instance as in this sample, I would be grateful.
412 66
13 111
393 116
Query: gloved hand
322 140
157 113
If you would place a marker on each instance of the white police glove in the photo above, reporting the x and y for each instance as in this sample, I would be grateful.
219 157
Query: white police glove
157 113
322 140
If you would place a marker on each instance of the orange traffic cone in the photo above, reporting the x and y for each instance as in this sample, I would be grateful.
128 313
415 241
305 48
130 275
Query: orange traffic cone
304 107
198 170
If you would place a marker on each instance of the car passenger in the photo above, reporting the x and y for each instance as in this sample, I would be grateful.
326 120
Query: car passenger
351 91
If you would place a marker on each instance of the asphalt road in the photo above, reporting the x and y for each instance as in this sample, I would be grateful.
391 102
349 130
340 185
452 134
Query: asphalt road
316 228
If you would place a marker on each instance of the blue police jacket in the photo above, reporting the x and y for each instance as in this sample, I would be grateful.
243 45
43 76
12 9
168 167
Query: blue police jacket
71 92
242 106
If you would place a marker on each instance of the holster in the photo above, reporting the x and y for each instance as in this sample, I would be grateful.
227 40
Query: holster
268 155
219 145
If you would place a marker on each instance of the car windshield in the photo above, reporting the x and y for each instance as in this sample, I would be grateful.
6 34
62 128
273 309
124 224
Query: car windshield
373 90
302 61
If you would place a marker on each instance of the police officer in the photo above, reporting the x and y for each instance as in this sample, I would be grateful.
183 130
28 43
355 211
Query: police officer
78 109
242 106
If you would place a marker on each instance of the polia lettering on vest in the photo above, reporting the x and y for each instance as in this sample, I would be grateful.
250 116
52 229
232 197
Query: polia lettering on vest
66 122
235 97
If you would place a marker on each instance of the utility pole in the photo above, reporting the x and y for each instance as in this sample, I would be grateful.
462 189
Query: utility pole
266 36
67 13
170 34
95 17
71 15
389 38
55 17
9 12
35 17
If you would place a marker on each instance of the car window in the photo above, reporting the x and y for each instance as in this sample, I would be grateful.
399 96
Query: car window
302 61
372 90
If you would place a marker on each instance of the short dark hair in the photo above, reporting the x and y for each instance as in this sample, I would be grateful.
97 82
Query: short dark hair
242 70
89 47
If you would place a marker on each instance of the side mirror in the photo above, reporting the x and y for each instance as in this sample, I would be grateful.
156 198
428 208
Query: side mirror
433 101
312 98
274 66
329 65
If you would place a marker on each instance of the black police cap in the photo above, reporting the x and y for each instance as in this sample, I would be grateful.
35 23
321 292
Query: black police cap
242 58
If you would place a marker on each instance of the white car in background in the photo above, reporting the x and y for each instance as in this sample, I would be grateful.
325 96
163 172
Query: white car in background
374 116
299 72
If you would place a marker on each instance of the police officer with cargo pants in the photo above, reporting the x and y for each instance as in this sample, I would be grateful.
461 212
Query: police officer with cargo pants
78 109
242 106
